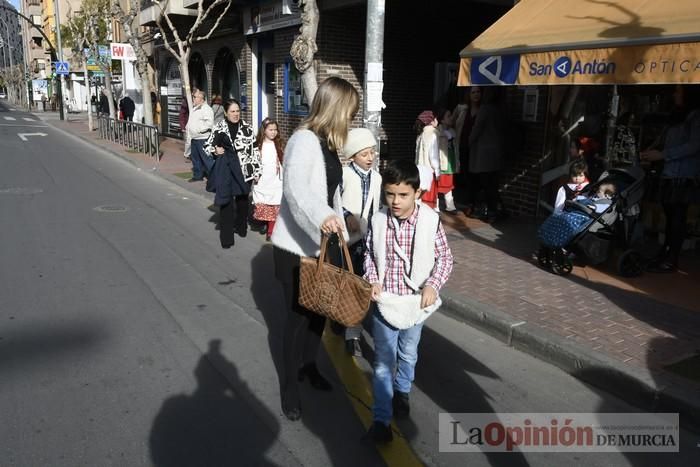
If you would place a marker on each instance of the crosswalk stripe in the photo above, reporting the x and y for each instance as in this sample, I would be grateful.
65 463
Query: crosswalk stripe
27 119
10 118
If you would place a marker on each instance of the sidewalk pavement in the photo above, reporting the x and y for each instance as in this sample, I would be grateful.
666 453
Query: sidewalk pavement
636 337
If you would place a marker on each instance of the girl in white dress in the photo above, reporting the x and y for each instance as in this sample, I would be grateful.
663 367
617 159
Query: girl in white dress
267 188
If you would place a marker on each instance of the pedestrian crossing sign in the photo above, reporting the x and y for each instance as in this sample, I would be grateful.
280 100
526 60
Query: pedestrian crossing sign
62 68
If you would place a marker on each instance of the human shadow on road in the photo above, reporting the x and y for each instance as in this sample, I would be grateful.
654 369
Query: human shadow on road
221 424
444 374
267 293
327 415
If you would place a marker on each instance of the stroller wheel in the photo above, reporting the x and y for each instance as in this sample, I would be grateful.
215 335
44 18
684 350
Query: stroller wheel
544 258
630 264
562 264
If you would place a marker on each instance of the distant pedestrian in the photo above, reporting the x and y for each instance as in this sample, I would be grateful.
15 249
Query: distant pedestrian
448 160
183 116
487 152
155 109
267 188
465 117
428 156
199 128
228 181
127 107
408 261
243 138
104 104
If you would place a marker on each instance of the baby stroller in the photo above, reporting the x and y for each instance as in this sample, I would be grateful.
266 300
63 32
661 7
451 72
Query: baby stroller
592 230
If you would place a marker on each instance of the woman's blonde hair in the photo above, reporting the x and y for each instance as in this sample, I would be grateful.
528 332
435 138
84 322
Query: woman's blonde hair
334 106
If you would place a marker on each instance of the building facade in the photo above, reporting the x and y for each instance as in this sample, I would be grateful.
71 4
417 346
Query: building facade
248 59
37 56
12 50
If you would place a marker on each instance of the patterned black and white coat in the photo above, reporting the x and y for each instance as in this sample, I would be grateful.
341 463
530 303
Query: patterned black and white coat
244 144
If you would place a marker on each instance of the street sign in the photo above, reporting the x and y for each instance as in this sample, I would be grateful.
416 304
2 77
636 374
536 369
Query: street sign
62 68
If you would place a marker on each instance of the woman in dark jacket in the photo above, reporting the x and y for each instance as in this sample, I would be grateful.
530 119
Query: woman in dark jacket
680 179
242 137
228 180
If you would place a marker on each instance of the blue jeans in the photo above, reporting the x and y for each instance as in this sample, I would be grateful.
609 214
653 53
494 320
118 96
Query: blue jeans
201 162
392 346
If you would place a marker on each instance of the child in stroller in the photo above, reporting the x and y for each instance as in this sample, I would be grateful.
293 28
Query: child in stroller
602 216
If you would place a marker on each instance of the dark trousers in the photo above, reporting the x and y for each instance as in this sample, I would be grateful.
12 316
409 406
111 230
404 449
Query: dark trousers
242 210
676 214
201 162
302 328
487 181
233 218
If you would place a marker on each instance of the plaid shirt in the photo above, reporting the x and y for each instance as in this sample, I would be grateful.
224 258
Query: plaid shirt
395 267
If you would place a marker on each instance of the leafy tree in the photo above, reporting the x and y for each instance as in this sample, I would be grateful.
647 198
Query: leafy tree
87 29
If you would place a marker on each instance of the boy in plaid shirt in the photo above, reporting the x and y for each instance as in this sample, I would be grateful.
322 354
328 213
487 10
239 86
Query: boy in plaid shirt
407 262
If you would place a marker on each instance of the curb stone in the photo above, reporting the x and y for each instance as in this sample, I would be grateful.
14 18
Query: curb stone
653 391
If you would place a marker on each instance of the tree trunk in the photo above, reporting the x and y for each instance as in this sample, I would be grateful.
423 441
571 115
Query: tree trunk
89 104
185 76
304 47
110 96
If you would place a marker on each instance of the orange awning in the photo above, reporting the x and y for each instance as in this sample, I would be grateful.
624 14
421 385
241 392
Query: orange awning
588 42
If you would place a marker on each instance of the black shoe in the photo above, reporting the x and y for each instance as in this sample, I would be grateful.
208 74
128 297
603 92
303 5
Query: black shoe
193 179
353 348
291 410
453 212
315 379
379 433
400 404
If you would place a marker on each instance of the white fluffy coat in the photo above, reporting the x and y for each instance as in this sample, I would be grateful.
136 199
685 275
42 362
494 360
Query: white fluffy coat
304 207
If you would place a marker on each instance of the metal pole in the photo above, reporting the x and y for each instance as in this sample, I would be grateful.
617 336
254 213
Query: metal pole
59 85
374 63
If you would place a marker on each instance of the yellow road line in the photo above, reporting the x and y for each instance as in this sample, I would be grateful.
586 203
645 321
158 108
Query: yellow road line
359 390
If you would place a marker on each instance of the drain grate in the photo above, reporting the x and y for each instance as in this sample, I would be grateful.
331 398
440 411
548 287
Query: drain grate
111 208
20 191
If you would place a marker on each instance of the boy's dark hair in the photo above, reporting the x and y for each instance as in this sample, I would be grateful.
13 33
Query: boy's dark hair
401 171
577 168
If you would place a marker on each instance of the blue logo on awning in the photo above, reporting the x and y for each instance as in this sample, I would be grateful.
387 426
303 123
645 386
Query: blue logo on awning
562 67
496 69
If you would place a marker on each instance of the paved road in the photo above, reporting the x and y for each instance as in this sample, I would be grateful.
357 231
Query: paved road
128 337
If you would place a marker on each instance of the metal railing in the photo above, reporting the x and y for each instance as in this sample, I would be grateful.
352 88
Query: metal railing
132 135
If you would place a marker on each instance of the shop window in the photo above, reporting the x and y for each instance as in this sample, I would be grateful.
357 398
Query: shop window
295 101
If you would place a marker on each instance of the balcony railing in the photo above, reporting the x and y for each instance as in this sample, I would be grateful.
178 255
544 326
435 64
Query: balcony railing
150 11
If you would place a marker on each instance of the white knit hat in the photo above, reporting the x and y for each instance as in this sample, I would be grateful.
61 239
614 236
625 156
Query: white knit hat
357 140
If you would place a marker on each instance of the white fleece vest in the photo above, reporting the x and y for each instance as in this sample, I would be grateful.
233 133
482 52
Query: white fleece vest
423 244
352 199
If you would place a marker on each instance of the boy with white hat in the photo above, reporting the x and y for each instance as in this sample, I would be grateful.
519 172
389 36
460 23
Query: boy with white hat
361 191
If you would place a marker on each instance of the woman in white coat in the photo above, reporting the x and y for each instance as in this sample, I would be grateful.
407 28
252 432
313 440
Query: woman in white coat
311 206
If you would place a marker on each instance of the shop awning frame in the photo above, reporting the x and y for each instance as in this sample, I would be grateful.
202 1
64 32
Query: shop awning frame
643 41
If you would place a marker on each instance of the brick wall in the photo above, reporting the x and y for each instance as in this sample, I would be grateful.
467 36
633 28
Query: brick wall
341 44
